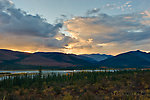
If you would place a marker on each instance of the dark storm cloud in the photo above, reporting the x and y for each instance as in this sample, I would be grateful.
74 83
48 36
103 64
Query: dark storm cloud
126 29
129 27
16 21
132 36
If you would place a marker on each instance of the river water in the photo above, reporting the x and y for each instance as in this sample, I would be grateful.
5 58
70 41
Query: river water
51 71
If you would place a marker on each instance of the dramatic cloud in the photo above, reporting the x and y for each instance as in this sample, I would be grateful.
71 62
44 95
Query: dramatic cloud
17 28
118 33
94 33
16 21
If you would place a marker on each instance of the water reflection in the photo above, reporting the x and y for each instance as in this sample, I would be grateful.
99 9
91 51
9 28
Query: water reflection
50 72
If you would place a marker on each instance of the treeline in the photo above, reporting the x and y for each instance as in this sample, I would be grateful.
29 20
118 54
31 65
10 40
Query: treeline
122 85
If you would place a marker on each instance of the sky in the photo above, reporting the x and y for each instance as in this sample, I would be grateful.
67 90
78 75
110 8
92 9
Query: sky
75 26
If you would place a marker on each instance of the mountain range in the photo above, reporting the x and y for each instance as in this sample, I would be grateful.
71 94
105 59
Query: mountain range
54 60
21 60
132 59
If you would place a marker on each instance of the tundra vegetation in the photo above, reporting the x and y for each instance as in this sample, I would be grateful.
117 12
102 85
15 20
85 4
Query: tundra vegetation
120 85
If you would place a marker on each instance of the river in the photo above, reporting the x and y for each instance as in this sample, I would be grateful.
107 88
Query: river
51 71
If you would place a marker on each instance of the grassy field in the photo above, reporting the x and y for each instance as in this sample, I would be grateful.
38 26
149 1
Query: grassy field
122 85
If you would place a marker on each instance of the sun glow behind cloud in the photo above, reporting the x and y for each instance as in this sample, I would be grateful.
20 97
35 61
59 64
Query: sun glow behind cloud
93 32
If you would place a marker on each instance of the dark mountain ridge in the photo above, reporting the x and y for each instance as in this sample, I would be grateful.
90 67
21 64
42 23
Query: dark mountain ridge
55 60
20 60
132 59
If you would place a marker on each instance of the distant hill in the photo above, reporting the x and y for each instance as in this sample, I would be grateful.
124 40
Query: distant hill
6 55
132 59
53 59
20 60
95 57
